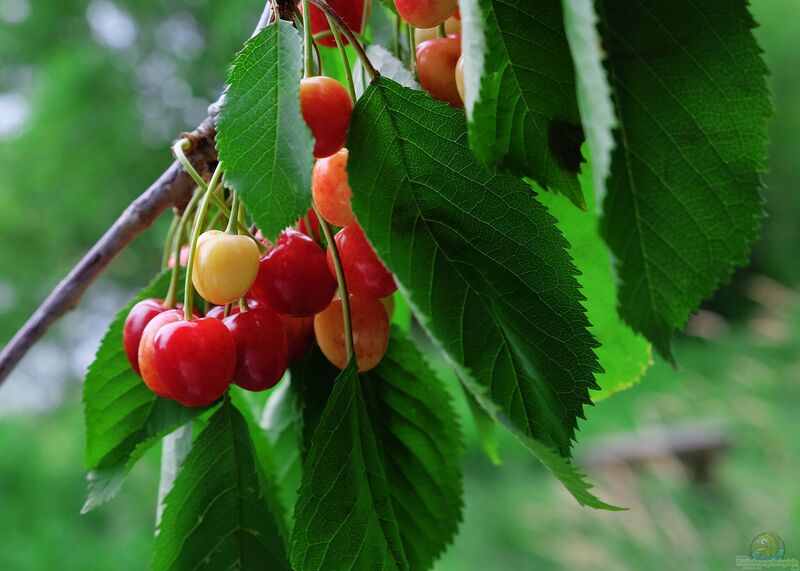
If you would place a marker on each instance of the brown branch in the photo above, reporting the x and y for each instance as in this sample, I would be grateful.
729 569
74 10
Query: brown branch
172 188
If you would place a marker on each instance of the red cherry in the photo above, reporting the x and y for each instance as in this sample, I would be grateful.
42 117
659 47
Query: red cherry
139 316
354 13
314 220
299 334
218 311
326 108
195 360
370 332
436 68
425 13
331 191
261 348
364 272
293 279
147 361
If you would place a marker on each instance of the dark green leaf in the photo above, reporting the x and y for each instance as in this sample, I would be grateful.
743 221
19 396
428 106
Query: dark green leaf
261 136
683 202
123 417
481 261
485 428
215 516
520 91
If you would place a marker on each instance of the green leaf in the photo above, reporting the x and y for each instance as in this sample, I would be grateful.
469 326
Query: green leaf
623 354
480 260
344 518
683 202
485 428
419 437
216 516
123 417
593 90
261 136
520 91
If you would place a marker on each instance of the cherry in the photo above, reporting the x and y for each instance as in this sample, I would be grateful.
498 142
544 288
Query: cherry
436 65
364 272
425 13
218 311
451 26
312 218
293 279
261 348
370 332
299 335
326 108
195 360
139 316
225 266
146 355
354 13
184 257
460 78
331 190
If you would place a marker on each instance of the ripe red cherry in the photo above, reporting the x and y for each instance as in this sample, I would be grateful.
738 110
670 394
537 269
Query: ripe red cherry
353 12
436 68
261 348
312 218
331 191
299 335
364 272
146 355
370 332
139 316
326 108
293 279
195 360
425 13
218 311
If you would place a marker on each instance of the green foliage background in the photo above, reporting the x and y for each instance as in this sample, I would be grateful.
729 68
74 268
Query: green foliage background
89 149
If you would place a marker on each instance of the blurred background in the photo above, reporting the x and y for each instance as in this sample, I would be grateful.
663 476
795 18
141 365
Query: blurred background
91 94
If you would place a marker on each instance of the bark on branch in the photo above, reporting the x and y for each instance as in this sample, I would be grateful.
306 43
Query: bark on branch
172 188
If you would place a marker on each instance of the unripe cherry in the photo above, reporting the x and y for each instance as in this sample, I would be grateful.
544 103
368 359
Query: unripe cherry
299 335
364 272
147 362
195 360
436 68
370 332
293 279
261 348
425 13
331 191
326 108
225 266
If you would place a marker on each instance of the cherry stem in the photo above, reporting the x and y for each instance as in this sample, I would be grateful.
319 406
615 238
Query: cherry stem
343 294
440 31
168 241
351 37
345 60
398 45
243 305
233 219
188 294
172 292
412 47
308 70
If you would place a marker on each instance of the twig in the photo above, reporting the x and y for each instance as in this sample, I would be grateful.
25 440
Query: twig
173 188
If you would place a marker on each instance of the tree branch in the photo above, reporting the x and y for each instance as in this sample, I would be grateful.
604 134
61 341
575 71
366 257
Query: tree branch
172 188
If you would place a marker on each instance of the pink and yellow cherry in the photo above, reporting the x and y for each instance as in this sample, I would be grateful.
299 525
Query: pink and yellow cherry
354 13
195 360
331 191
299 335
436 68
313 233
364 272
261 348
425 13
326 108
139 316
293 279
370 332
146 356
225 266
451 26
460 79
